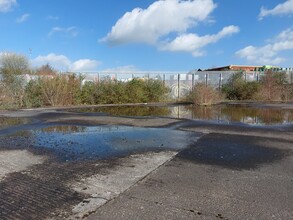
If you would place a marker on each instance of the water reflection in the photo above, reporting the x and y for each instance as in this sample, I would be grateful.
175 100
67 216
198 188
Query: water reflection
130 110
246 115
218 113
83 143
8 122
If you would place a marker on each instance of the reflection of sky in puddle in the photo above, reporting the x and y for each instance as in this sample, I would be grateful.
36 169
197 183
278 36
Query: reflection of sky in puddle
217 113
81 143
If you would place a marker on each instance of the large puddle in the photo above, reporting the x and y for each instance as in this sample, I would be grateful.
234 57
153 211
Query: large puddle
219 113
70 143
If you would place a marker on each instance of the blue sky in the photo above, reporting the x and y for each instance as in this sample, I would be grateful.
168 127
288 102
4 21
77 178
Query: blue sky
148 35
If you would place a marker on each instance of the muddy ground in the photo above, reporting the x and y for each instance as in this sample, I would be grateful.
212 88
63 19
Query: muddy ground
174 169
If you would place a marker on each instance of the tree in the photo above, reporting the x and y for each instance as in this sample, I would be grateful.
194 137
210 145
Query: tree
12 67
46 70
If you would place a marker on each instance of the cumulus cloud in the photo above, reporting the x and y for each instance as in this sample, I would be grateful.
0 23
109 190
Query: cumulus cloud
158 20
281 9
193 43
7 5
69 31
269 54
84 65
62 63
23 18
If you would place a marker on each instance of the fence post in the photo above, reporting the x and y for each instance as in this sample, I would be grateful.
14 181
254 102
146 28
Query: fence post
192 81
164 79
178 87
206 79
220 82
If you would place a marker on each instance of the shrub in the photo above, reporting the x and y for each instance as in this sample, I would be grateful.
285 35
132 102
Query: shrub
238 89
272 86
203 94
33 95
12 68
59 90
116 92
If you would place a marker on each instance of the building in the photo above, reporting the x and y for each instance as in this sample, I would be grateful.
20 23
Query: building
236 68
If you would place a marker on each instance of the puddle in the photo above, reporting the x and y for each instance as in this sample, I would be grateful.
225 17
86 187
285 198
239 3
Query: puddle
129 110
9 122
219 113
233 151
71 143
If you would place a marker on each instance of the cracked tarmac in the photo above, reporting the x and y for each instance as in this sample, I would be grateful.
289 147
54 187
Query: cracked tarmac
199 170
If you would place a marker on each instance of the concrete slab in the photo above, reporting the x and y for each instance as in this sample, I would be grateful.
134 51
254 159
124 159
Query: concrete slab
17 160
102 188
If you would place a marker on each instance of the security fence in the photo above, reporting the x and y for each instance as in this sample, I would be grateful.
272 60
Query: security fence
181 83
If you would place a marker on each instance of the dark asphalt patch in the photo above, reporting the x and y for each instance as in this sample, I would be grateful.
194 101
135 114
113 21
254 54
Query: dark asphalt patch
26 197
233 151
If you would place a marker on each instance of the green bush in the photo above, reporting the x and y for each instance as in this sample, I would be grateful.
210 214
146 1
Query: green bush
59 90
238 89
33 95
116 92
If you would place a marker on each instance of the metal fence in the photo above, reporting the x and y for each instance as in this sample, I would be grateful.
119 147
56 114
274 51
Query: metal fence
181 83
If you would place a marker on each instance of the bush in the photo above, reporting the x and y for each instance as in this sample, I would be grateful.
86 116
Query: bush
238 89
33 95
272 87
59 90
115 92
12 68
203 94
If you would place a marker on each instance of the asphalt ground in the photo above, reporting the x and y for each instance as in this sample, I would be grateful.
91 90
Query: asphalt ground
243 175
227 172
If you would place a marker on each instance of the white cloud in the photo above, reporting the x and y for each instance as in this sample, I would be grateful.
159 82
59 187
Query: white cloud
69 31
280 9
7 5
59 62
158 20
193 43
62 63
23 18
269 54
84 65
